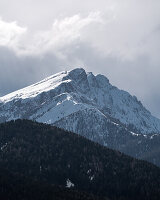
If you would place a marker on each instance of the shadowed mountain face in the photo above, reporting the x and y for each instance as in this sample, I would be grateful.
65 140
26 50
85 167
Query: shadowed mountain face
54 156
89 105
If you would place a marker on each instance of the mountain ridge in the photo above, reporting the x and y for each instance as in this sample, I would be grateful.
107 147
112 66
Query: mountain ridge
88 105
89 91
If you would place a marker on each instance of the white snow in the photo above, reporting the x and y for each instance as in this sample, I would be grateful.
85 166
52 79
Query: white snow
60 111
91 178
3 147
69 184
37 88
135 134
153 136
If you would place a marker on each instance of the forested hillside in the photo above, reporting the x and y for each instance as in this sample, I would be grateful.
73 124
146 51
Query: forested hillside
51 155
18 187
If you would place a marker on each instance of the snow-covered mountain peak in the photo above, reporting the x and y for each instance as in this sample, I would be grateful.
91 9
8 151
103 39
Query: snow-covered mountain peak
82 79
45 85
72 93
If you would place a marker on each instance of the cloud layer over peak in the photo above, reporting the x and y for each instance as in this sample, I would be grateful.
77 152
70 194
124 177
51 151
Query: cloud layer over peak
119 39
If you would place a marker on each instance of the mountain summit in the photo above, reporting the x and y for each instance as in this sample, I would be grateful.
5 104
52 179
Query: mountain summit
76 99
89 105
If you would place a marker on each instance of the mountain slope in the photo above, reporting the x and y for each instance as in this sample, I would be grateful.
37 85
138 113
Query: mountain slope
49 154
14 186
117 136
68 92
90 106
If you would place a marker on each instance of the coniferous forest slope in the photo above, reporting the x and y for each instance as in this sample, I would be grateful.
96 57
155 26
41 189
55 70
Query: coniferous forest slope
14 186
53 156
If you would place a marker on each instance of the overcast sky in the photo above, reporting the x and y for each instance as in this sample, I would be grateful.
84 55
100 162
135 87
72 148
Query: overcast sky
117 38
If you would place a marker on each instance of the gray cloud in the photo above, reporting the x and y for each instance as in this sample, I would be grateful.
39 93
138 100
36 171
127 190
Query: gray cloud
16 73
117 38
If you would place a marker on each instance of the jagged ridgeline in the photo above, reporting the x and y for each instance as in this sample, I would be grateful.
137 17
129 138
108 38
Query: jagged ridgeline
66 93
89 105
53 156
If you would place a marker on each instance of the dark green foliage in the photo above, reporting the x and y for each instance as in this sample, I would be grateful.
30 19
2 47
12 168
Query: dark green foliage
52 155
16 187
